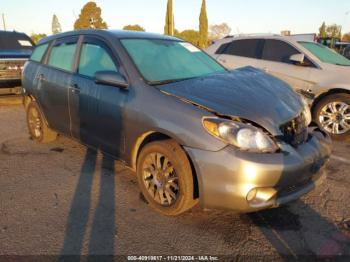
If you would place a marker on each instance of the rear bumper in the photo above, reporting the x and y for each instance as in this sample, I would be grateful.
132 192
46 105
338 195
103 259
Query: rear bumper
247 182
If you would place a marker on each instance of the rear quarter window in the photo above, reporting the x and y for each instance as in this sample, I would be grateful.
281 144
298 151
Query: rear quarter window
39 52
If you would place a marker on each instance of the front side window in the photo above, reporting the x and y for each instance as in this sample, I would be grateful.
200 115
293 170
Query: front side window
278 51
245 48
95 58
325 54
39 52
62 56
160 60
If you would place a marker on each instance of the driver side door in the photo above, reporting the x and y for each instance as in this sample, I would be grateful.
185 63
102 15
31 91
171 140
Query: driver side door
96 109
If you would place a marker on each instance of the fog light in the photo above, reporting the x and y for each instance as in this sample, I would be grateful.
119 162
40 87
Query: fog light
261 197
252 194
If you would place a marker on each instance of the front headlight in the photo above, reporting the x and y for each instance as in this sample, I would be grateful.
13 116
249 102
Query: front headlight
244 136
306 111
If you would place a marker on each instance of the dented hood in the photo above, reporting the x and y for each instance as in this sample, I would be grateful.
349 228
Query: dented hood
247 93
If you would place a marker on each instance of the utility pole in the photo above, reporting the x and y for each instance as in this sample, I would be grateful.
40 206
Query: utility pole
3 21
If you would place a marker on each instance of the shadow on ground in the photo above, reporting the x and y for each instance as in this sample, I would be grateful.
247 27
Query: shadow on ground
101 238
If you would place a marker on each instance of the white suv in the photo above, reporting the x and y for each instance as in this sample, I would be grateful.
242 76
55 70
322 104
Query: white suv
310 68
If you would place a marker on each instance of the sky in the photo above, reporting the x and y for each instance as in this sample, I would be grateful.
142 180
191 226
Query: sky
243 16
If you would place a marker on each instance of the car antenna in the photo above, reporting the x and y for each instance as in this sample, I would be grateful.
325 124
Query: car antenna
3 21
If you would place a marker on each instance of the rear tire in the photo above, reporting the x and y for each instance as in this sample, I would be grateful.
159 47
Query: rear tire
332 114
38 129
164 176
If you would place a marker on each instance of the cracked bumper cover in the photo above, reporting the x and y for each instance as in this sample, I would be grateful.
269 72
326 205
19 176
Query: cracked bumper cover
226 177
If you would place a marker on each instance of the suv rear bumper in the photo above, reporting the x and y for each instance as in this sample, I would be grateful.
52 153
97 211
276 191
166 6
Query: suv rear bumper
229 178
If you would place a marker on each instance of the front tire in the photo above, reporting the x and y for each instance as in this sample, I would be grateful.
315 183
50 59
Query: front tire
37 127
165 178
332 114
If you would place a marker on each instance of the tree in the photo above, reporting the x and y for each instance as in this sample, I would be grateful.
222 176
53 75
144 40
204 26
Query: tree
56 26
37 37
334 31
346 37
203 26
219 31
189 35
323 31
90 18
169 19
134 28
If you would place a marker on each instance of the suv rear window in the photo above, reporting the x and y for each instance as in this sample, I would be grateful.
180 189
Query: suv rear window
278 51
246 48
39 52
62 56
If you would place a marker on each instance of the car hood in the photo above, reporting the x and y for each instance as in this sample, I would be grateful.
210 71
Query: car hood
247 93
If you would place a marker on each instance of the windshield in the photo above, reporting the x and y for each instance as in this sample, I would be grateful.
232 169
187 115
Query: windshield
14 41
325 54
166 60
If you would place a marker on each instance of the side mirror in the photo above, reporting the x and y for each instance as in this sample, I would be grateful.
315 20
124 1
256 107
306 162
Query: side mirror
297 58
111 78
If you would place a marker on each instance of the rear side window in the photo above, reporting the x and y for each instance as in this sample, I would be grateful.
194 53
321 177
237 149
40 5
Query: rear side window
247 48
278 51
62 56
39 52
95 58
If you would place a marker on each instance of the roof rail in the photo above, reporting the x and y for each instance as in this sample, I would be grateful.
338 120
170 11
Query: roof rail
254 34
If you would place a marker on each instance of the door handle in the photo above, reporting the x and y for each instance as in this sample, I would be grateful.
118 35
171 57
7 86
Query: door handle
41 77
74 89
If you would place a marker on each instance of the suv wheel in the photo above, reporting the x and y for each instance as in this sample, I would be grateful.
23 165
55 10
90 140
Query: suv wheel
165 178
38 129
332 113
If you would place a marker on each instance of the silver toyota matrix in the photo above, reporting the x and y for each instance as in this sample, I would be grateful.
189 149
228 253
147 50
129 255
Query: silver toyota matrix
193 131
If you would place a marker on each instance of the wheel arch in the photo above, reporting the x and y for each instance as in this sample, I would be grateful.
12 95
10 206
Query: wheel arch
325 94
153 136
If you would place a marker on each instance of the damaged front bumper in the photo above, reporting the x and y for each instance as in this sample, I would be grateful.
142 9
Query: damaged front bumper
248 182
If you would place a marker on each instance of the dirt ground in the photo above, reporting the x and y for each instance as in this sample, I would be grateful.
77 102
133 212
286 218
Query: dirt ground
63 199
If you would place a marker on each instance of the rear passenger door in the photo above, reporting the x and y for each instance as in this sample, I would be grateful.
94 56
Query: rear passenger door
275 60
54 80
96 109
240 53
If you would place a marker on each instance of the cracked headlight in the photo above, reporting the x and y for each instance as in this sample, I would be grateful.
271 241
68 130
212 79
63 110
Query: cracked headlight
306 111
243 136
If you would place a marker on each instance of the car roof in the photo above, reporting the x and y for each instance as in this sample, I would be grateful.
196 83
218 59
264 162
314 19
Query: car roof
115 34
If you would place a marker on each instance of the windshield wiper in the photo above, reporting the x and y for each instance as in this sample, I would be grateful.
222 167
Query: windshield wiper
164 82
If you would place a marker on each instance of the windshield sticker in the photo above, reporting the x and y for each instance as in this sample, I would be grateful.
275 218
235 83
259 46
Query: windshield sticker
190 47
24 43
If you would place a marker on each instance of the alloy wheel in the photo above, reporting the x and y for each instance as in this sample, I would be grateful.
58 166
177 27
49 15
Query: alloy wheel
34 122
160 179
335 118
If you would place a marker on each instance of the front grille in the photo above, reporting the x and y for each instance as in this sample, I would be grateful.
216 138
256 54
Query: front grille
295 131
11 69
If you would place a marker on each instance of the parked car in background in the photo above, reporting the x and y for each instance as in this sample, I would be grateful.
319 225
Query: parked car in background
346 51
15 49
189 128
310 68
